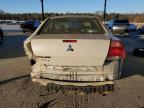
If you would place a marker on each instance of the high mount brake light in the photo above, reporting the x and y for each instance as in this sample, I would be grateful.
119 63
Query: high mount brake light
116 49
70 41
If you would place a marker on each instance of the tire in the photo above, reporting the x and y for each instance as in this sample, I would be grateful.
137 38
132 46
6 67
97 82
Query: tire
1 37
24 31
138 52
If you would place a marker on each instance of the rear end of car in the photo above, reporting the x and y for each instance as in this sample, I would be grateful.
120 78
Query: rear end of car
75 53
30 26
132 28
120 27
140 30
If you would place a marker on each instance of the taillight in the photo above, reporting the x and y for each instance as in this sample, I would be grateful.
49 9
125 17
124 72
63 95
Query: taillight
116 50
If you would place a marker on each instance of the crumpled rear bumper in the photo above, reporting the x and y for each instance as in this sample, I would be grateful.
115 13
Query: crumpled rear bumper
108 72
81 87
45 82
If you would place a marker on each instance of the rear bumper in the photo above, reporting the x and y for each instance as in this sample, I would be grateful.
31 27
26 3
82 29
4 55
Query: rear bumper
132 30
119 31
45 82
87 87
109 72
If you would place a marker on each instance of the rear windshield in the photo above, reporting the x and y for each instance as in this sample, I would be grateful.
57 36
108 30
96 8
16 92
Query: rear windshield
121 21
72 26
29 22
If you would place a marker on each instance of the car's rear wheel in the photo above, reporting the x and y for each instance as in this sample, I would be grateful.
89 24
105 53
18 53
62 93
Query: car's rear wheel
139 52
1 37
23 31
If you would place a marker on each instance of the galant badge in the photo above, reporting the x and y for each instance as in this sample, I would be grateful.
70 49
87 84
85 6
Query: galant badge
69 48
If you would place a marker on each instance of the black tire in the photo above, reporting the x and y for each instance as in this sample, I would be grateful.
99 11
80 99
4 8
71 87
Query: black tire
1 37
24 31
138 52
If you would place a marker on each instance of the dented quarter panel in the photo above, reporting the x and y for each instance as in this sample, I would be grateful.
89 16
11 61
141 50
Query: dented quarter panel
27 42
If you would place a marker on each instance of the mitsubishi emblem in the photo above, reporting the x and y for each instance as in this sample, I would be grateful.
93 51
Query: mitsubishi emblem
69 48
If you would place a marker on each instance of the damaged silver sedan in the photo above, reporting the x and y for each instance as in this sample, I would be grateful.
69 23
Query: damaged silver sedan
74 51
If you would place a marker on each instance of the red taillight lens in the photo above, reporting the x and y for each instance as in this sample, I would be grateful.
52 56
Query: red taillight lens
116 49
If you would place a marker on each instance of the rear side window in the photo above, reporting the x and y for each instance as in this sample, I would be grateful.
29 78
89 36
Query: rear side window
72 26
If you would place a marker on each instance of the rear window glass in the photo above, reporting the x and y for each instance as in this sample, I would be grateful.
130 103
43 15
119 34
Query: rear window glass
72 26
29 22
121 21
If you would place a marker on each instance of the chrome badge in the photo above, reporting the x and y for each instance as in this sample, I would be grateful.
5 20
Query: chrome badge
69 48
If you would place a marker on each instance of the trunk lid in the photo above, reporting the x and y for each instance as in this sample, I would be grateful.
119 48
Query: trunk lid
71 49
